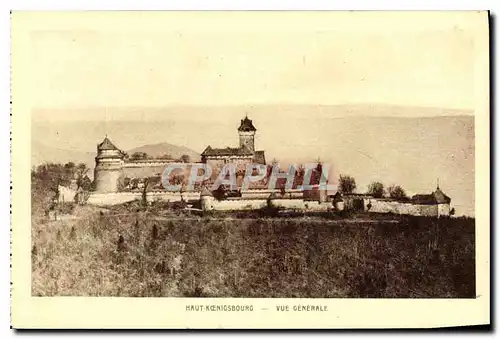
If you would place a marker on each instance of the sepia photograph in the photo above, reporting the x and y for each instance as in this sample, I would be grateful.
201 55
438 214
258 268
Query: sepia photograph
252 158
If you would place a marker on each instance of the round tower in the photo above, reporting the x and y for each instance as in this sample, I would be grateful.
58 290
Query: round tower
108 167
247 134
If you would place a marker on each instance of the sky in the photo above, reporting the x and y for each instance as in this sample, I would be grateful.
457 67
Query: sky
154 60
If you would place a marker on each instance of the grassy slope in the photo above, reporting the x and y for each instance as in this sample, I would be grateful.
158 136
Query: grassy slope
267 257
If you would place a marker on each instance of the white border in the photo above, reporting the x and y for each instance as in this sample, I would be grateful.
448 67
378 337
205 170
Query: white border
172 5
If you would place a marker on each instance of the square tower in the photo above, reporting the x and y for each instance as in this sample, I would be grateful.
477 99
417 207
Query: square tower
247 134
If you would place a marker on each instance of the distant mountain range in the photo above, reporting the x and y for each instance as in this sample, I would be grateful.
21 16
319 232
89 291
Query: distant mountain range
258 112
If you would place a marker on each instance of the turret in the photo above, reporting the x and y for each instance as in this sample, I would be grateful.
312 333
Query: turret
247 134
108 167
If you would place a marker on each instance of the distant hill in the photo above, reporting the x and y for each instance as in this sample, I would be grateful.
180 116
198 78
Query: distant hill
163 148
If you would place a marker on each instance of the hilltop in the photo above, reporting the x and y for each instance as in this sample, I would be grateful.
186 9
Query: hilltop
163 148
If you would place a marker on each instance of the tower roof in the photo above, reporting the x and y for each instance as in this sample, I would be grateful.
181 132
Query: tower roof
440 197
436 197
106 145
246 126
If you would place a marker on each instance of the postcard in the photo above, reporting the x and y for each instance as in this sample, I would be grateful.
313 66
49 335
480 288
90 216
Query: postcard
261 170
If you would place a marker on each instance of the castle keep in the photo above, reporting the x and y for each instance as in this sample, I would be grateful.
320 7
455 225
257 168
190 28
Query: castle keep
241 156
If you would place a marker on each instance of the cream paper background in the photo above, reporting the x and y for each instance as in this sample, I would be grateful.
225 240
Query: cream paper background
102 312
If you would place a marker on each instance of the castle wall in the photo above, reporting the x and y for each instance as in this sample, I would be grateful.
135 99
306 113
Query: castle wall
148 163
173 196
107 199
238 204
109 174
316 194
142 169
142 172
209 203
396 207
318 206
265 193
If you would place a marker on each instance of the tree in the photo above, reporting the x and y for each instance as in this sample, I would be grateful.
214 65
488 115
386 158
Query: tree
45 181
396 192
139 156
85 183
347 184
50 175
376 189
185 158
80 174
81 169
69 169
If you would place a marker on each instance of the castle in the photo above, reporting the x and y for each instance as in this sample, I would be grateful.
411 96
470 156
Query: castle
241 156
113 167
